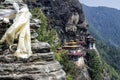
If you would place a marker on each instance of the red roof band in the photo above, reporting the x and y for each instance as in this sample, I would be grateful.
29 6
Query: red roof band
76 54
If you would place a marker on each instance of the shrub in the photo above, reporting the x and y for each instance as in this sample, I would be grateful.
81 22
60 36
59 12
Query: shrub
94 64
68 65
45 35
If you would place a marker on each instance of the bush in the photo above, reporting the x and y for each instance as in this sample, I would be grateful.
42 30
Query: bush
68 66
95 65
111 72
37 13
68 77
45 35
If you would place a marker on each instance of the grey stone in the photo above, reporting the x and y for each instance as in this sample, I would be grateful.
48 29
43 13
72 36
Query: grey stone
40 66
71 27
60 13
38 47
35 23
82 73
12 1
10 58
32 71
34 34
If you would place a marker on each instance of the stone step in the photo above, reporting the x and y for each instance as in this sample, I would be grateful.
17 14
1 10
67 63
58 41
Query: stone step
42 76
35 57
36 46
34 34
29 68
58 75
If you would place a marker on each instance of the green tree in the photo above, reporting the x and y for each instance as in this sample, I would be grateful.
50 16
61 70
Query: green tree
111 72
68 66
95 65
45 35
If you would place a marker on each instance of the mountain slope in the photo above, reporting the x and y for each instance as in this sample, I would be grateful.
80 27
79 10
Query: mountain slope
104 26
105 21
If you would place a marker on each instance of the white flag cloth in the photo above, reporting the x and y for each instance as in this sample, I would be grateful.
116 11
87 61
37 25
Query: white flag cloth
20 29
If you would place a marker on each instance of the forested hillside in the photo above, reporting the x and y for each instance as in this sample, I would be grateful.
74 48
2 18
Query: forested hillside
105 21
104 26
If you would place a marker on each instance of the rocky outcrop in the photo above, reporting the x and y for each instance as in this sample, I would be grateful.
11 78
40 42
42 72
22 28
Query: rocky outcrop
40 66
66 16
82 73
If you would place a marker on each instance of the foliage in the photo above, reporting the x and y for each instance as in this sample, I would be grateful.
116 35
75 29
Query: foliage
49 36
45 35
94 64
106 31
68 66
111 54
105 21
111 72
68 77
37 13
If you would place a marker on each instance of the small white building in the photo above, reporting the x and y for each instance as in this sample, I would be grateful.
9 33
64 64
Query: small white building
92 46
91 42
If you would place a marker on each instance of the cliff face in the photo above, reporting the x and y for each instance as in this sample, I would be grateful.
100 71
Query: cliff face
41 65
66 16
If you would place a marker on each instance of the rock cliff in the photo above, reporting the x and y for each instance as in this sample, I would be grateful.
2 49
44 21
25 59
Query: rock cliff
66 16
40 66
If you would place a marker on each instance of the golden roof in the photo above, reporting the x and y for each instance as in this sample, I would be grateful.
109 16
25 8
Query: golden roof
67 46
72 42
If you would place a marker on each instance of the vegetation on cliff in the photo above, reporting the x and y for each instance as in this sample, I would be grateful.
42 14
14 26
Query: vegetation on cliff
105 21
104 26
110 54
111 72
94 64
68 66
98 66
44 34
49 36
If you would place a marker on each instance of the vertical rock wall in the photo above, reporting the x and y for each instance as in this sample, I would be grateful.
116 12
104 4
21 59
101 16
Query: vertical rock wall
66 16
40 66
